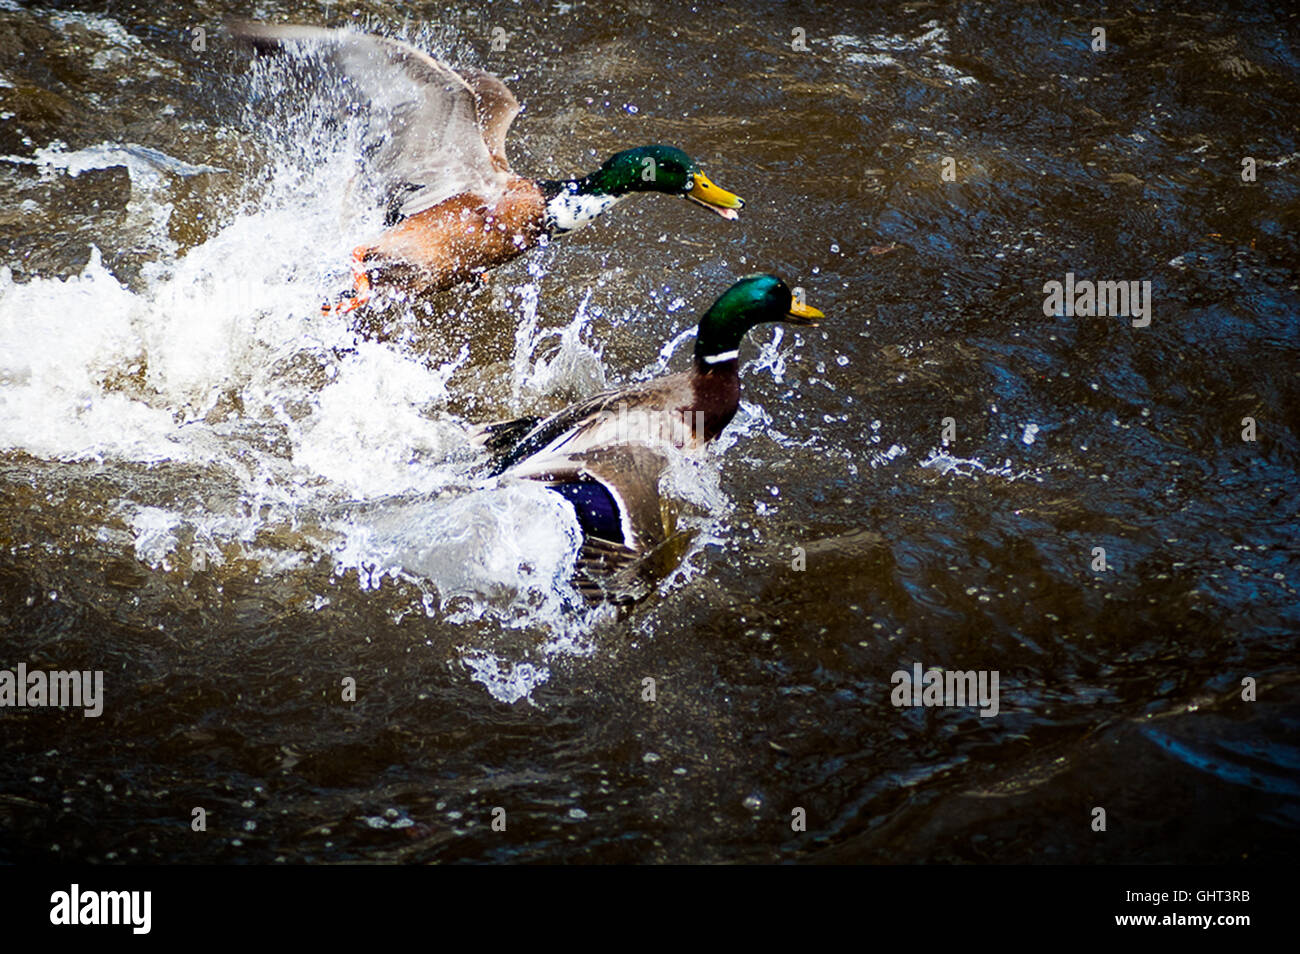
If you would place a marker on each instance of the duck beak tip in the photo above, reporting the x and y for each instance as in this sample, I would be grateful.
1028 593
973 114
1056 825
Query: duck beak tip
715 199
801 314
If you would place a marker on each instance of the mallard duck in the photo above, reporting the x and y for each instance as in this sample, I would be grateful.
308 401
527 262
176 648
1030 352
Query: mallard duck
436 164
599 454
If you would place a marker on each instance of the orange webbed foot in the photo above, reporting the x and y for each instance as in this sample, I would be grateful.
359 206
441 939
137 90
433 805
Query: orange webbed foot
360 295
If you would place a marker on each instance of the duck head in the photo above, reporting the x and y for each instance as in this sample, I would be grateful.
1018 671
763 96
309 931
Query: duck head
661 169
753 300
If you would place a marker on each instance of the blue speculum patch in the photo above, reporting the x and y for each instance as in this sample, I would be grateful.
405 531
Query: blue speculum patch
596 508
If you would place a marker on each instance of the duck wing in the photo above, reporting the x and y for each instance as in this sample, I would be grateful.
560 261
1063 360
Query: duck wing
434 132
502 436
587 425
614 490
628 540
496 108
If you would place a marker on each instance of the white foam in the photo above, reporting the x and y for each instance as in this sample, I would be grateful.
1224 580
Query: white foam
572 366
144 165
946 463
62 344
507 551
155 535
505 681
371 430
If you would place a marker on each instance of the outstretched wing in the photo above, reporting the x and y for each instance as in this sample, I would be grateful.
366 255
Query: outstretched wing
437 133
497 108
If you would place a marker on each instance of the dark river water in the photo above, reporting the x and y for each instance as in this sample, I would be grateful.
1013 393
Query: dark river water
230 504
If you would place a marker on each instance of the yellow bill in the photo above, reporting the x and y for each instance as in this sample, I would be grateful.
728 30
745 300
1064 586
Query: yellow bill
804 314
714 198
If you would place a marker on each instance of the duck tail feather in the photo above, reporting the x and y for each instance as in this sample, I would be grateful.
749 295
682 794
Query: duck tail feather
503 435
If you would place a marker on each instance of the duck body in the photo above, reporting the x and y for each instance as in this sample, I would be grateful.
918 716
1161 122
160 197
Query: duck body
685 410
605 455
456 240
433 158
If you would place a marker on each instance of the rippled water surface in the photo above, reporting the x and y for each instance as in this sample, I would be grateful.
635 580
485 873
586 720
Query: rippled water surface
230 503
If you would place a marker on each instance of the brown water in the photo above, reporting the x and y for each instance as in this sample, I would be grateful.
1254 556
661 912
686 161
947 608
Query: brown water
229 503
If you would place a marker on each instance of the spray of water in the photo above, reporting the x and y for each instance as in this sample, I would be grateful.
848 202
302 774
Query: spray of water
221 359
